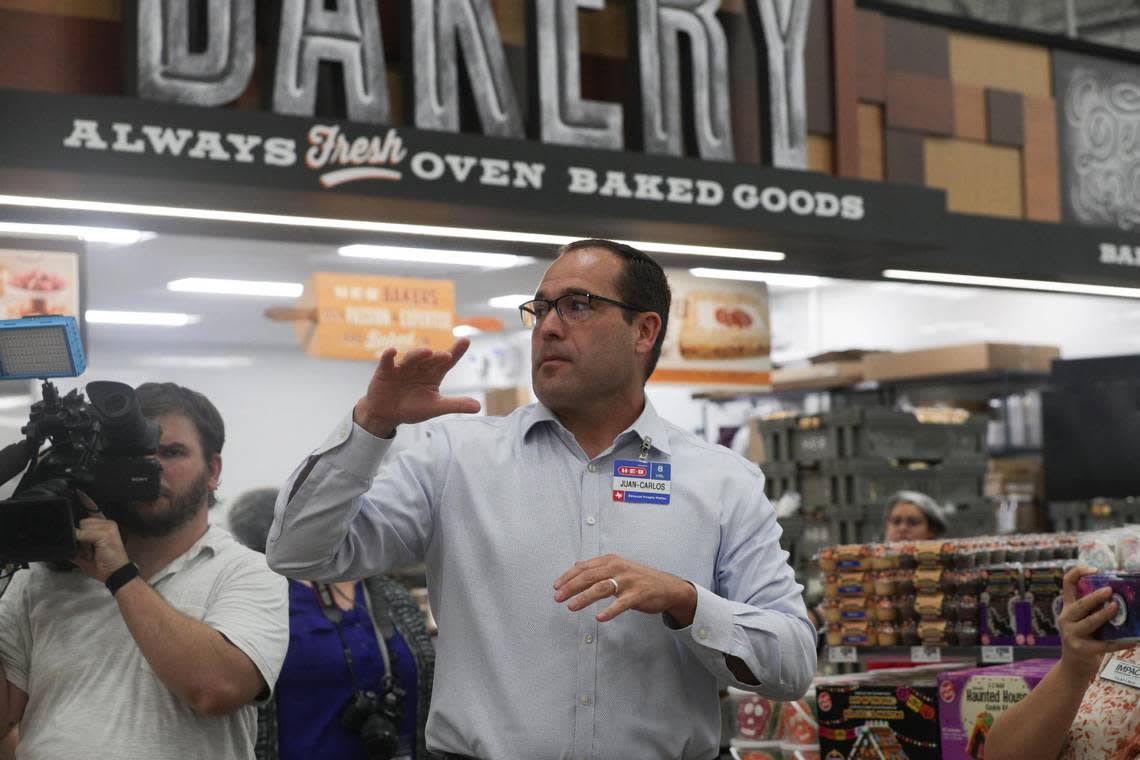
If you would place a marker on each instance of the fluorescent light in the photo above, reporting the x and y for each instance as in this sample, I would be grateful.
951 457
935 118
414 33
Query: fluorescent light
434 256
195 362
90 234
783 280
236 287
465 331
152 318
708 250
359 225
16 402
1012 282
510 302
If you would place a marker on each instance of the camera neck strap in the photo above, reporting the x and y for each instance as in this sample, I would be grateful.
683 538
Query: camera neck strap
334 614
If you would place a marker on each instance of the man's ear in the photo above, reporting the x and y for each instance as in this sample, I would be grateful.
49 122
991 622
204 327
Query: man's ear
648 328
215 472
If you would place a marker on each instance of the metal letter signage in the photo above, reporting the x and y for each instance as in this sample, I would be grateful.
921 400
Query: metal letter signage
349 36
437 27
564 118
659 23
166 69
781 34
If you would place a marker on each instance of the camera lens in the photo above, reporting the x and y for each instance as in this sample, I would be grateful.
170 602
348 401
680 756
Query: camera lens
379 737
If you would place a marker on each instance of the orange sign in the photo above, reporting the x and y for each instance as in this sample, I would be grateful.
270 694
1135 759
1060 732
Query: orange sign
358 316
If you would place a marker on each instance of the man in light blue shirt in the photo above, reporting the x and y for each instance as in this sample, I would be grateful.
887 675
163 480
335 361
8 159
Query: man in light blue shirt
595 571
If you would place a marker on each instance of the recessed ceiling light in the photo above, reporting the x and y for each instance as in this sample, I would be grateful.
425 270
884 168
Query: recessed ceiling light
433 256
107 235
149 318
465 331
236 287
360 225
772 278
509 302
1013 283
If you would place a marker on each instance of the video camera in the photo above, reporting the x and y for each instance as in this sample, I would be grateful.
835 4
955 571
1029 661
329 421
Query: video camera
101 446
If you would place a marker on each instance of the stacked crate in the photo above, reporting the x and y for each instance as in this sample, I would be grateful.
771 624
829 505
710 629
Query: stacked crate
845 464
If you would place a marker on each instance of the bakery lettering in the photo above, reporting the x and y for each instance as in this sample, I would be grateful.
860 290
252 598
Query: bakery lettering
583 180
1120 255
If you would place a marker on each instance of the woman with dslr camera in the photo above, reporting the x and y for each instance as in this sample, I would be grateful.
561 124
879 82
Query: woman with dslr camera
357 678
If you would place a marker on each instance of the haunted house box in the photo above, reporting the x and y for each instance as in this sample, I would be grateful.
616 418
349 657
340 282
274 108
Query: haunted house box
972 699
879 721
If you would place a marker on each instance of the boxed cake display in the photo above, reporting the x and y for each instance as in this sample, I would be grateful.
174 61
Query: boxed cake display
971 700
895 718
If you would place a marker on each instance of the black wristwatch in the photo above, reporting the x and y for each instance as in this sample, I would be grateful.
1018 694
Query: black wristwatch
122 577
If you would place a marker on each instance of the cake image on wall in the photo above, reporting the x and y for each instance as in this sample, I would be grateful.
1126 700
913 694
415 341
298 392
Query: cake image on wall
723 325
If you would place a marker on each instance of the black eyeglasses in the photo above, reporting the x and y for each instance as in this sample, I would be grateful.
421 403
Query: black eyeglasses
572 307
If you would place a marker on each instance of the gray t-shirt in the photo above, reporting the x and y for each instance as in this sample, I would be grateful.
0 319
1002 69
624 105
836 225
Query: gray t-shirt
90 690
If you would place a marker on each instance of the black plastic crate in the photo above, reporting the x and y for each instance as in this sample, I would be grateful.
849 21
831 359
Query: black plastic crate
869 434
854 483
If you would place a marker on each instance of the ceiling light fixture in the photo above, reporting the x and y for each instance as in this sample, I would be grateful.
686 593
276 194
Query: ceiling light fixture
433 256
148 318
509 302
1012 283
236 287
772 278
109 235
465 331
358 225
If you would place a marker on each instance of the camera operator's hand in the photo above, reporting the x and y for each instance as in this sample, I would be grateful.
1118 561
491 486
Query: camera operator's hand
1081 653
101 549
409 391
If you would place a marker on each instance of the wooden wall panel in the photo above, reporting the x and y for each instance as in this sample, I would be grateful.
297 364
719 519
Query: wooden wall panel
1001 64
817 69
916 48
977 178
100 10
871 165
821 154
1004 118
845 98
61 53
1042 174
921 103
904 157
969 112
872 70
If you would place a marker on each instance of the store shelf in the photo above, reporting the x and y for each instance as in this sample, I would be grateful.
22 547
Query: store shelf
986 655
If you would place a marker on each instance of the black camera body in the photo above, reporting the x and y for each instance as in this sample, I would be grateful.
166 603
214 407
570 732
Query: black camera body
376 718
102 447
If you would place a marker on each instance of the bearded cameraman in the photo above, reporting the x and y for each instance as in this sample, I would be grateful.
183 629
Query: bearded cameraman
167 635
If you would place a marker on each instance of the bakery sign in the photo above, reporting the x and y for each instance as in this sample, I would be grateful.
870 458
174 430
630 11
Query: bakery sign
191 54
719 334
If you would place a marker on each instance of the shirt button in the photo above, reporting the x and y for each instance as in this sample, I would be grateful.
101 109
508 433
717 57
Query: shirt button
703 633
586 700
589 638
592 467
590 520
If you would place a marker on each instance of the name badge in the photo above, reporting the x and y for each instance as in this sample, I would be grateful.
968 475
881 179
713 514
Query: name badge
1122 672
637 482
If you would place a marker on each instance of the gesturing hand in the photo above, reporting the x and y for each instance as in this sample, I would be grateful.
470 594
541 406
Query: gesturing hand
1080 617
638 588
100 551
409 391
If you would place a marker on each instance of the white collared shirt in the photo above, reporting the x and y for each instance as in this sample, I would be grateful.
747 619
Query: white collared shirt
498 508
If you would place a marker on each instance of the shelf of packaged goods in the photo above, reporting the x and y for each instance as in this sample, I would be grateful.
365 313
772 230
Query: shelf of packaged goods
918 655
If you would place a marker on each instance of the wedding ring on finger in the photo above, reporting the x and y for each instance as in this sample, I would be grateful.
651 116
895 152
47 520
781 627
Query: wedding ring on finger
616 587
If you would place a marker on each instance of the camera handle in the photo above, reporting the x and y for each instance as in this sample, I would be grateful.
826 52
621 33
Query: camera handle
335 615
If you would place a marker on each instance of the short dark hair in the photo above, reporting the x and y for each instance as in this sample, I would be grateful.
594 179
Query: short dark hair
157 399
642 283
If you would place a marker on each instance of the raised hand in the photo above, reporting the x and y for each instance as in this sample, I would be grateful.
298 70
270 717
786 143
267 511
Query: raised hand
1081 653
408 392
